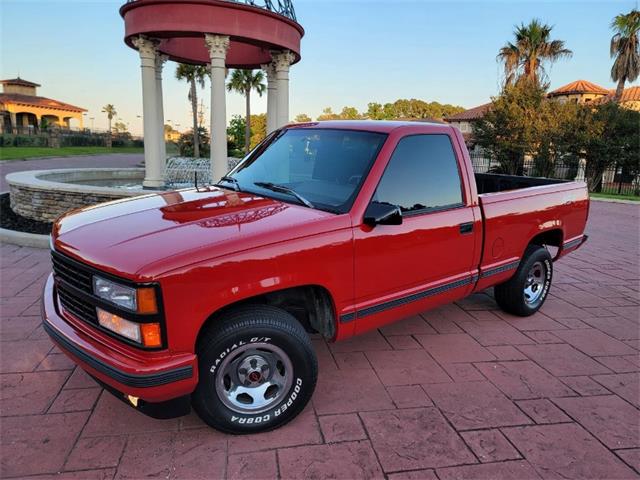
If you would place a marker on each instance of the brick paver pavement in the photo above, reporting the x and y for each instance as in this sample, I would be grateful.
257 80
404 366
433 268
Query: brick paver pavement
466 391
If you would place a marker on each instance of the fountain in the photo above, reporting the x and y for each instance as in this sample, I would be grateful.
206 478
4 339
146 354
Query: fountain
44 195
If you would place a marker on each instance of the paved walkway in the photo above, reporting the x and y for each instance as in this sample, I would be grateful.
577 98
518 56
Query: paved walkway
124 160
465 391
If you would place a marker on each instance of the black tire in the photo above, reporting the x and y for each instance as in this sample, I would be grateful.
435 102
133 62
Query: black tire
510 295
236 340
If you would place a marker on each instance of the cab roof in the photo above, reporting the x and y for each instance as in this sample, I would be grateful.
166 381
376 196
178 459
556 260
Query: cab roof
381 126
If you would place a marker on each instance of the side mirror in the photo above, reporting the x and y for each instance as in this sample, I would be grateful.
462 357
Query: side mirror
382 214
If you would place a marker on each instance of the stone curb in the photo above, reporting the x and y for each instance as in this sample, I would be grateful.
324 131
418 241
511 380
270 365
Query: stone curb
24 239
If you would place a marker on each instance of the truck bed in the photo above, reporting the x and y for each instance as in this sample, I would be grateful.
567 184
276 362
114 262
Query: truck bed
491 182
517 209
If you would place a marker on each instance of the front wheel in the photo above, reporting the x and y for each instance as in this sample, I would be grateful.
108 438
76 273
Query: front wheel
257 370
525 292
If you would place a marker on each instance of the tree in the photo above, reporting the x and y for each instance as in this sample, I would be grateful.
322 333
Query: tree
110 110
120 127
350 113
609 137
258 129
523 59
508 131
625 48
302 118
194 75
243 82
236 135
327 114
411 109
186 146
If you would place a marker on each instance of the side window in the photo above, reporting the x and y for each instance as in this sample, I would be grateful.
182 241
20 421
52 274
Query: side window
421 174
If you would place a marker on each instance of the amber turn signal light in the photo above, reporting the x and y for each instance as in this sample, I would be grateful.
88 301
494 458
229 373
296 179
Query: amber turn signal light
151 336
147 300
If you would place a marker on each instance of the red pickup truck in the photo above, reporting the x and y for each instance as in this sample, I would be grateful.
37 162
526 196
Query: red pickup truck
206 296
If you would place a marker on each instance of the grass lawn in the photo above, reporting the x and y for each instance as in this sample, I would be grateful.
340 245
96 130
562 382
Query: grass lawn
633 198
23 153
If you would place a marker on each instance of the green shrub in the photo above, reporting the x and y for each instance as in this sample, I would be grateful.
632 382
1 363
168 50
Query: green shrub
9 140
81 140
185 143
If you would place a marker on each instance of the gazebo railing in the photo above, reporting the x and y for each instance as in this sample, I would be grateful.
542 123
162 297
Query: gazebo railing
281 7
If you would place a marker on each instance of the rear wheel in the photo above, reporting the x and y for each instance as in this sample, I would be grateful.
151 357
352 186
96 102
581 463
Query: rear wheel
257 370
525 292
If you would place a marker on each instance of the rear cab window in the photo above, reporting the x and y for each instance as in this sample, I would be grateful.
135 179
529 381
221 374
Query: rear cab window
422 175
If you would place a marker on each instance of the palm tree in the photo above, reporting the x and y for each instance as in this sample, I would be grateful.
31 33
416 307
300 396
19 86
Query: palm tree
625 49
195 75
110 110
523 58
242 82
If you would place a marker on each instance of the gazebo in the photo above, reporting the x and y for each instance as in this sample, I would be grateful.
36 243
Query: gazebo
221 34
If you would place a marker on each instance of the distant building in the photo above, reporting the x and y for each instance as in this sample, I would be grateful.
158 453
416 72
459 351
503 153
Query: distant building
22 111
171 135
579 91
630 98
464 121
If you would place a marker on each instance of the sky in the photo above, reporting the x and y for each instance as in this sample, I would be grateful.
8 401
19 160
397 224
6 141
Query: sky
354 52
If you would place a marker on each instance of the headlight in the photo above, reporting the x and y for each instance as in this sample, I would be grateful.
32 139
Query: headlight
115 293
140 300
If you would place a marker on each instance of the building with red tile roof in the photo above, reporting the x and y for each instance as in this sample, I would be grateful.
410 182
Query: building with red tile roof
580 91
464 120
23 111
630 98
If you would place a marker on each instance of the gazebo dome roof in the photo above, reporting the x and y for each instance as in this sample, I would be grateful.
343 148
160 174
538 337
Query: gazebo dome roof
179 28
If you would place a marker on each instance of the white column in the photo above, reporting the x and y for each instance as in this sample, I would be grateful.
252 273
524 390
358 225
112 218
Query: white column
582 167
272 96
160 59
218 46
282 61
153 177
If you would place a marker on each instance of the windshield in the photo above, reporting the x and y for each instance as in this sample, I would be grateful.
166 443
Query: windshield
322 167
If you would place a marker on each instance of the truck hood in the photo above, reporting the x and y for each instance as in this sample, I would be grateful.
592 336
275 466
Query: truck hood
143 237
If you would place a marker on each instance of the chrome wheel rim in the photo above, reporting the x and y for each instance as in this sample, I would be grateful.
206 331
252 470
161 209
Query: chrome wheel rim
534 284
254 378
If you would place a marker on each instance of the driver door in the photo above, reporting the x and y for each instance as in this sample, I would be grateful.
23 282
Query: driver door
428 259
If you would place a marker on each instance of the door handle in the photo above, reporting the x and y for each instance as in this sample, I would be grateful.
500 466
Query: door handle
466 228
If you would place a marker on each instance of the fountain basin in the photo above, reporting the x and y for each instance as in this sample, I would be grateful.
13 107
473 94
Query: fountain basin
44 195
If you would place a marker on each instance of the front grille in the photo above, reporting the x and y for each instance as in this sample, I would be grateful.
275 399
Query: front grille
70 274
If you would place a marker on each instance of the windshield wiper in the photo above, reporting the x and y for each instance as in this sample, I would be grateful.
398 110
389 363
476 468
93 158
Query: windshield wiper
227 178
282 189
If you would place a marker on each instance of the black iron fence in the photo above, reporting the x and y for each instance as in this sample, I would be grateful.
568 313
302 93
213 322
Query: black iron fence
616 179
